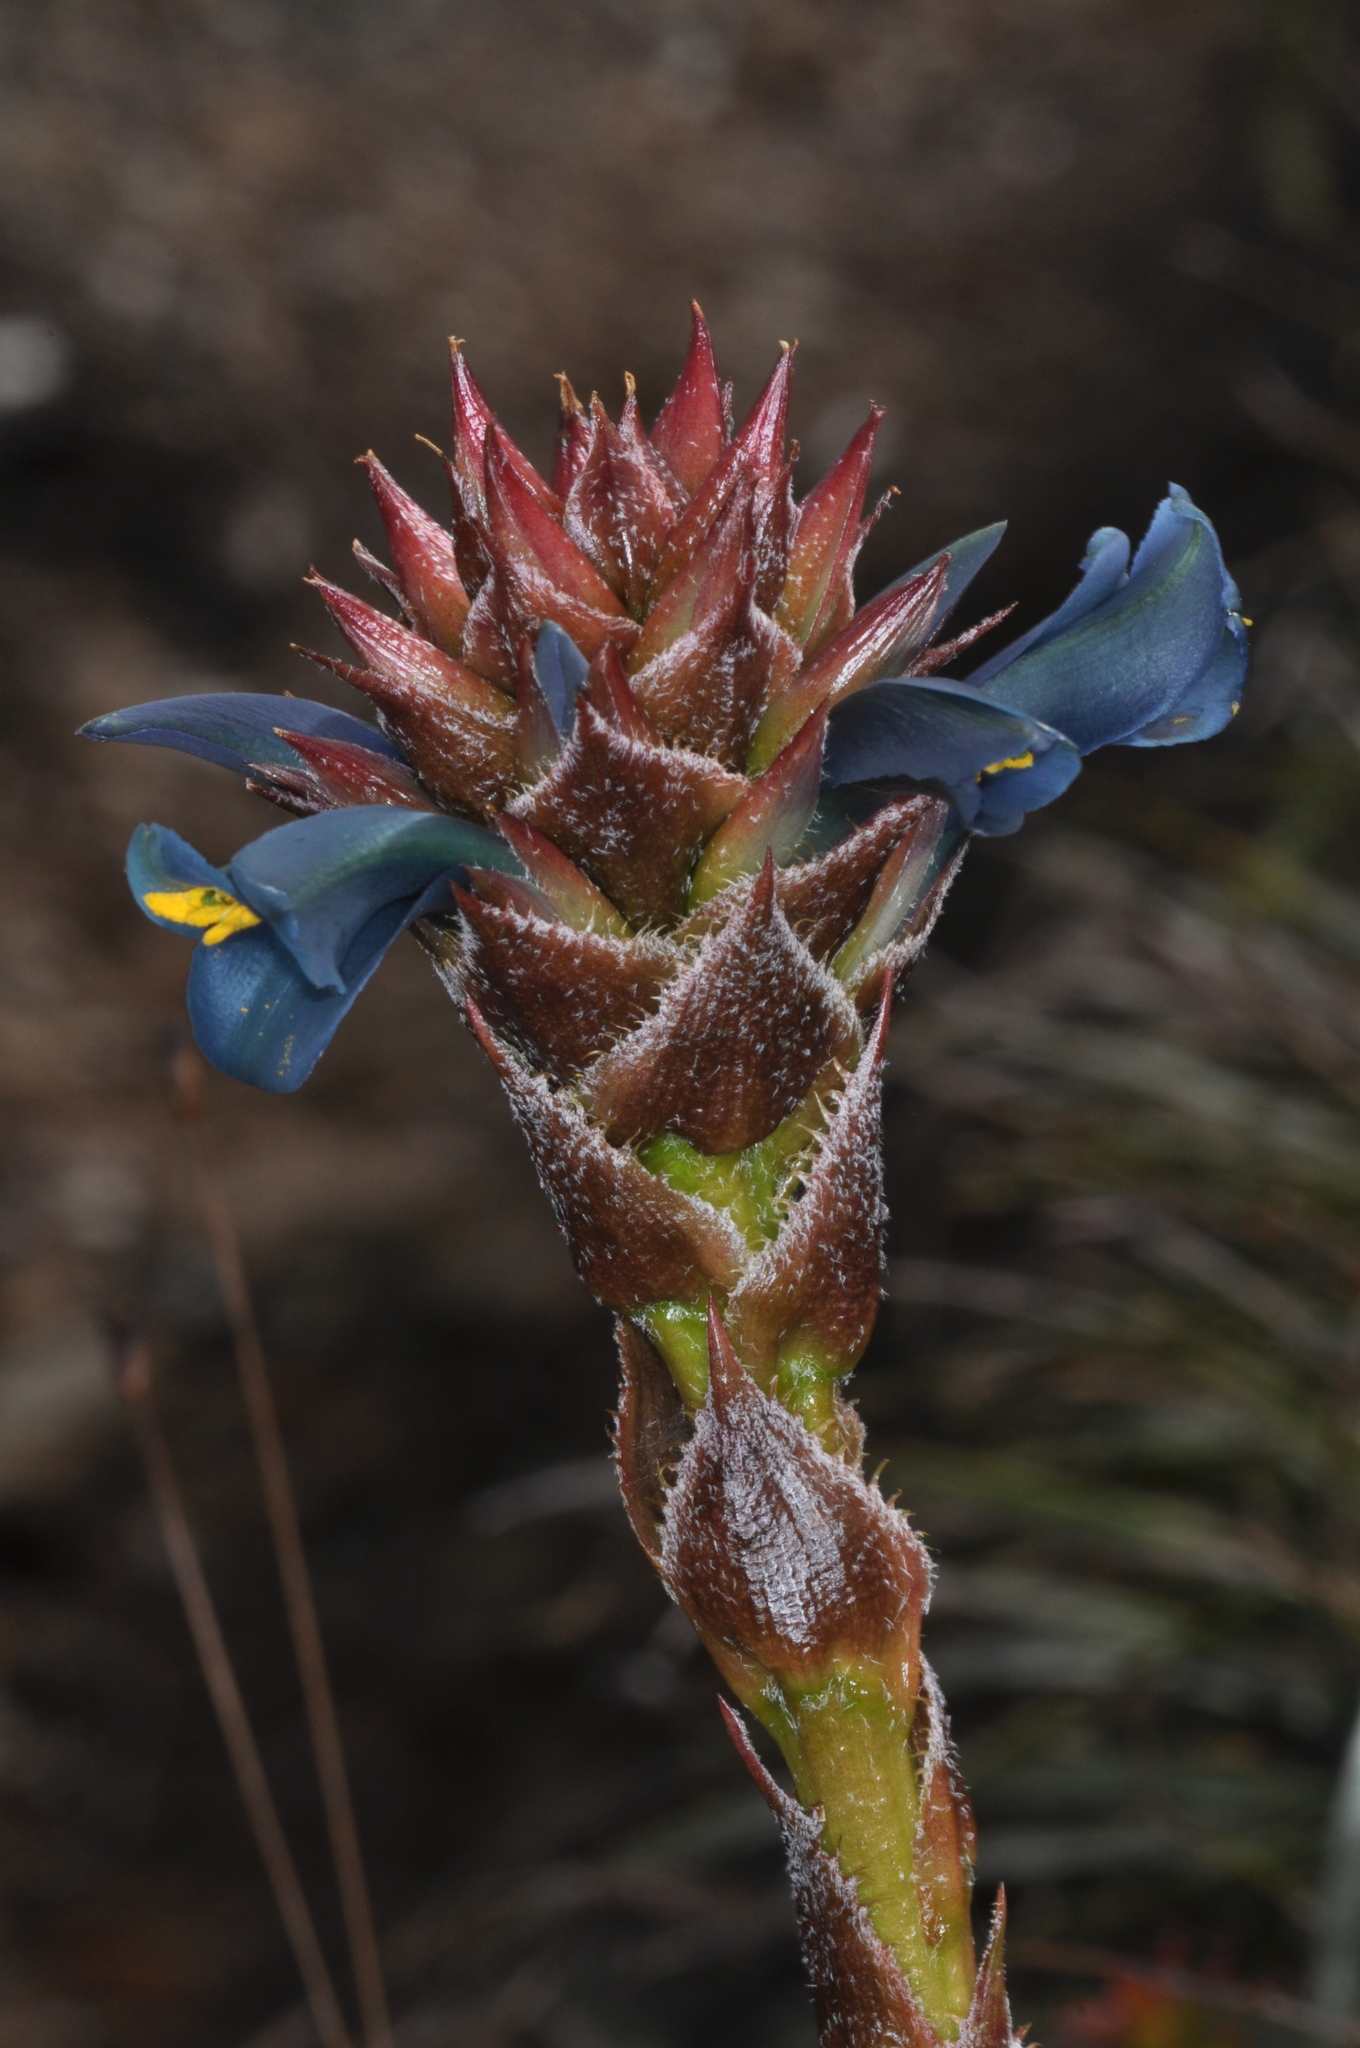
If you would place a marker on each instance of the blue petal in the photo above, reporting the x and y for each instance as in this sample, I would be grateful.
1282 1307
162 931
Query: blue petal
235 728
966 557
1104 570
333 891
159 862
930 731
318 881
1211 704
1123 656
561 669
256 1016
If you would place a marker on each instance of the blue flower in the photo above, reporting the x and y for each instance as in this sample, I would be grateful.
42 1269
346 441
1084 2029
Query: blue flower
1148 654
236 729
292 928
996 764
242 729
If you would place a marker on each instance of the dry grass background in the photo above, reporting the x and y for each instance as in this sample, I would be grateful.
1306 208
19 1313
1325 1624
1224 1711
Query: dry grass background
244 229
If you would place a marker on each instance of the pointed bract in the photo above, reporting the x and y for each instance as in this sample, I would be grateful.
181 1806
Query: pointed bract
708 657
333 773
528 545
572 894
737 1041
573 439
402 656
898 893
883 633
863 2000
690 431
771 818
699 518
633 816
763 435
619 510
828 538
945 1847
465 756
609 692
988 2024
634 1240
559 996
809 1301
929 660
775 1546
426 576
824 899
650 1434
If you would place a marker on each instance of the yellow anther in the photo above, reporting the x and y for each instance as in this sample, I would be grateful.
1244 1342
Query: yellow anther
210 911
1237 707
1017 761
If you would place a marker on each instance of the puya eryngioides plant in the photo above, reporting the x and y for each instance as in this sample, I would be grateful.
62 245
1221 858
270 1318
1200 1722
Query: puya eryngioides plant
673 817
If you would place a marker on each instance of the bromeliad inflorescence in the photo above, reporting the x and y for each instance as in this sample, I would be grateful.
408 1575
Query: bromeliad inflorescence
672 817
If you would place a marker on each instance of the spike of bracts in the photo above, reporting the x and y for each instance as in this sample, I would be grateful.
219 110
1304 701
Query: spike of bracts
703 815
661 997
673 993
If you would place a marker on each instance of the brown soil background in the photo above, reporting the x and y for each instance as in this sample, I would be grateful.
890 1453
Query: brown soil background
254 222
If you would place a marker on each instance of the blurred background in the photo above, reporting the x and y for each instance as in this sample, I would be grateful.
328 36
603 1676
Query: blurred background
1078 247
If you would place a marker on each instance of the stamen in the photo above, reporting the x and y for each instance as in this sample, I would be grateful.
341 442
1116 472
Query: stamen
1025 760
211 911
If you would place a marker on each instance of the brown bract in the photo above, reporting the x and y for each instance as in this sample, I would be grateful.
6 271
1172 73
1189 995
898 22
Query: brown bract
778 1549
945 1848
335 772
622 504
632 815
424 576
736 1041
709 658
863 1999
650 1434
559 997
824 899
817 1286
635 1240
464 757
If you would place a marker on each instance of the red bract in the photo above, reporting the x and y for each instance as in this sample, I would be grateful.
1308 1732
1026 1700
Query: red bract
817 598
620 507
334 772
691 427
877 641
424 577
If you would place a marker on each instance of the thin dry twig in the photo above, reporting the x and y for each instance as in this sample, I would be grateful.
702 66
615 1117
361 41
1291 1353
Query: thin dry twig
1252 2001
133 1380
299 1599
